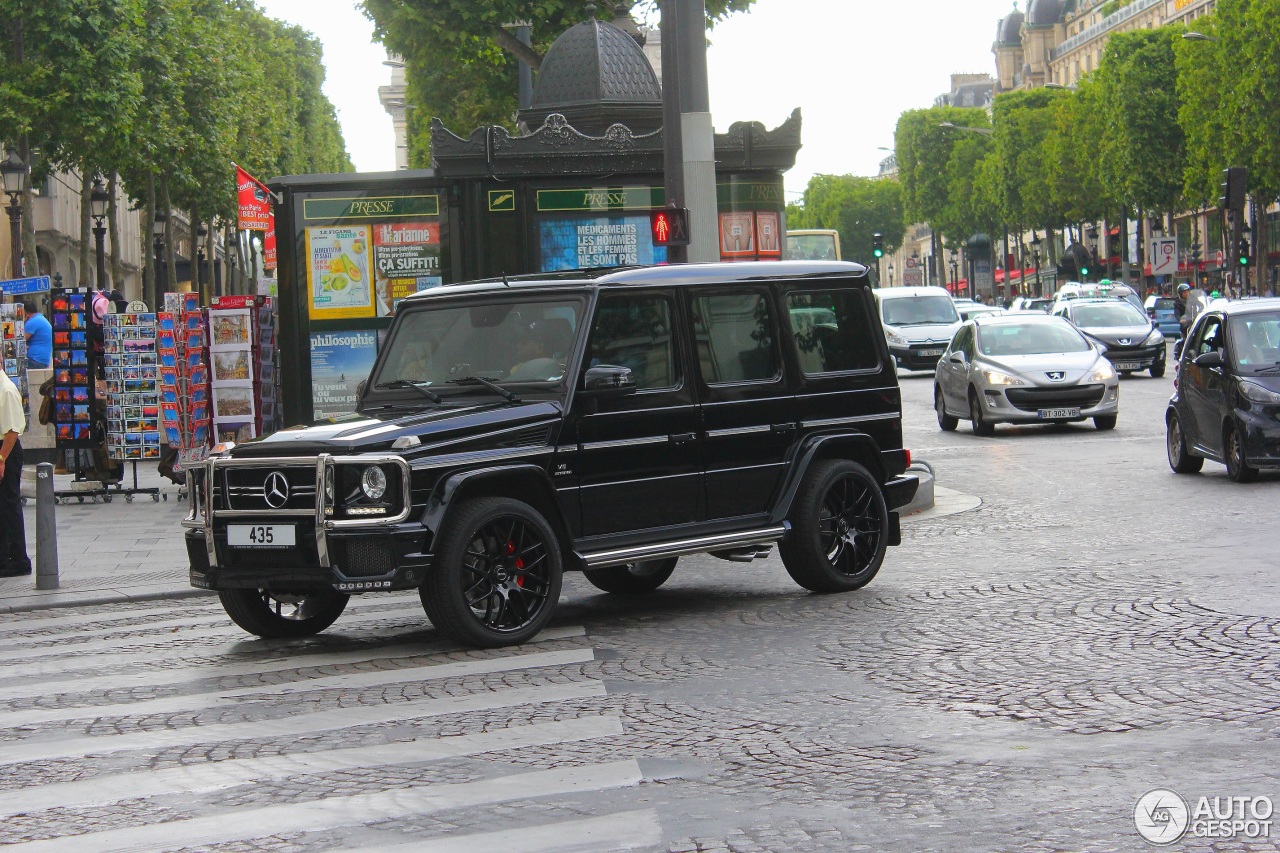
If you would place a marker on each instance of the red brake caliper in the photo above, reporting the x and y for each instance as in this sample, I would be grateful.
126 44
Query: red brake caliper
511 549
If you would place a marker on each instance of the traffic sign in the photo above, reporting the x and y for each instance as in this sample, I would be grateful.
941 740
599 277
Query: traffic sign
18 286
1164 255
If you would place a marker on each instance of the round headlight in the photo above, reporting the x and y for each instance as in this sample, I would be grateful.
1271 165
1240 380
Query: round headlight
373 482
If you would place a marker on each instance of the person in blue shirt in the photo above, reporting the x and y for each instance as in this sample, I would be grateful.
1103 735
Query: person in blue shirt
39 336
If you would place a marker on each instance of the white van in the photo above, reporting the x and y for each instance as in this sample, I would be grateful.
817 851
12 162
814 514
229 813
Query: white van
918 322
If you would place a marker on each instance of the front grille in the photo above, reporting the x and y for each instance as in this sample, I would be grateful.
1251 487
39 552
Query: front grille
246 488
1115 352
358 558
1073 397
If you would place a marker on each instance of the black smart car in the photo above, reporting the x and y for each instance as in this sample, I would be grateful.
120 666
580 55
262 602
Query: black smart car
1226 402
607 423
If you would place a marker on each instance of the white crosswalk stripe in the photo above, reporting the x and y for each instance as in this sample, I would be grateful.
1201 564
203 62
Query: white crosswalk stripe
308 769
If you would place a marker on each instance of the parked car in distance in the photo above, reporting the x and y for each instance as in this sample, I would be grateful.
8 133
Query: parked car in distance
1163 312
1131 341
1023 368
975 309
1040 304
918 322
603 422
1226 400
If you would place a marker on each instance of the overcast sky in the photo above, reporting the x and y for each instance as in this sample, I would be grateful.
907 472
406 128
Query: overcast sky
851 66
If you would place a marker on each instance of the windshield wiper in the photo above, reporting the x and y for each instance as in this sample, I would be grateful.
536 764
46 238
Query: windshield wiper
417 386
1275 368
492 386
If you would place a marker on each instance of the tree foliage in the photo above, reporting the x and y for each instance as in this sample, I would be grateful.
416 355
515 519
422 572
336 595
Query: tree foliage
1023 121
924 151
856 207
461 59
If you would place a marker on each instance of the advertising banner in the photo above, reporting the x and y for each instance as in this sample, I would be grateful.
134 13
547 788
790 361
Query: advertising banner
269 246
406 259
338 273
582 242
340 361
737 234
255 203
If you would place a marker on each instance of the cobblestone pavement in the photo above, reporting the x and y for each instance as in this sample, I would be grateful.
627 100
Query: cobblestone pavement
1015 679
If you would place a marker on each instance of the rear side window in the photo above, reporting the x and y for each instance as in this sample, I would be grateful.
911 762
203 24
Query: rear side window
735 337
832 331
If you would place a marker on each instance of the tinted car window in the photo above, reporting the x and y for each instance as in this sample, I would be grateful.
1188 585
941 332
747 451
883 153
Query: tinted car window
735 338
1030 339
635 332
1210 337
831 331
1255 340
919 310
1110 315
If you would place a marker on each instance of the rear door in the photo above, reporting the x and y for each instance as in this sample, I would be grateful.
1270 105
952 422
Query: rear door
748 413
637 462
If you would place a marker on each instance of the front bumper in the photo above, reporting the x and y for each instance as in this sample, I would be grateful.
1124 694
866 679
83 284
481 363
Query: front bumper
329 551
1027 402
1143 357
1261 429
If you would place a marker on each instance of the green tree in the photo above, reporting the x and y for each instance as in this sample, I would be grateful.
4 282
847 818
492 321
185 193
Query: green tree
924 150
461 61
858 208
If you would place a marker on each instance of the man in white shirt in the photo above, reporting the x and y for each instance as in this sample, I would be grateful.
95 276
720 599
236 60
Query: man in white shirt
13 533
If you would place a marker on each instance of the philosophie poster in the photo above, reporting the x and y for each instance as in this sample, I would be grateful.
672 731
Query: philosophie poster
767 233
402 253
338 272
581 242
340 361
737 234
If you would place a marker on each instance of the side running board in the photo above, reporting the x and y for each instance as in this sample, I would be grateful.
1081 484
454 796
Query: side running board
681 547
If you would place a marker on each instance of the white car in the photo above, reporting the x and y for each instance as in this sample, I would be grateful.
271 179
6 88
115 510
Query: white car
918 322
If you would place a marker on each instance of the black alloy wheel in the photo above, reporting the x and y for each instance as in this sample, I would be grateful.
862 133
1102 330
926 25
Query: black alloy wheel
497 575
980 425
946 423
1180 459
278 615
632 578
1238 467
840 528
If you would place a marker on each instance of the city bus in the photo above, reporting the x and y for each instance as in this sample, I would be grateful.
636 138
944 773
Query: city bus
813 244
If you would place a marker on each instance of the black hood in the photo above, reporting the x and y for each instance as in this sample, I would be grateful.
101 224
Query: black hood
443 429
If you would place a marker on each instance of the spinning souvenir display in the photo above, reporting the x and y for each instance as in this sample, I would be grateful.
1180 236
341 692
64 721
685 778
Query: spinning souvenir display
132 375
73 386
242 358
184 377
13 332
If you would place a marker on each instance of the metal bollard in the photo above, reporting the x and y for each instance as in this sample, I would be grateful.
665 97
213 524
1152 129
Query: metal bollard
46 529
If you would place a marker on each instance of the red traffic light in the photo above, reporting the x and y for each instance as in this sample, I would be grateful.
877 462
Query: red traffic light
670 226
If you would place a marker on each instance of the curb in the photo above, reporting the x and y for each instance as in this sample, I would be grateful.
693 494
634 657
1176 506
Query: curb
924 497
97 600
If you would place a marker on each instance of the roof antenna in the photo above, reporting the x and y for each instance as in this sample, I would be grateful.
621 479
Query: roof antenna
504 279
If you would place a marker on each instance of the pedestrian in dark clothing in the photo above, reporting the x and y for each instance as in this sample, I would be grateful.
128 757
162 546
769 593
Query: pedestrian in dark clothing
13 532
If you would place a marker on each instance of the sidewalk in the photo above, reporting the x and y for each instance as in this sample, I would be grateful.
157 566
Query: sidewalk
115 552
109 552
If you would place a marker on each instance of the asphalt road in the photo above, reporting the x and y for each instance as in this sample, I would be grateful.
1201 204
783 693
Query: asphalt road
1016 678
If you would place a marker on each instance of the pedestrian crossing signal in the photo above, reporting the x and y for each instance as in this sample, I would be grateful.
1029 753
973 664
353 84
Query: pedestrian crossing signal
670 226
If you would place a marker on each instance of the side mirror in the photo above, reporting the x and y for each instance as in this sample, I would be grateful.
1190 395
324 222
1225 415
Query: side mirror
1177 348
957 357
1209 359
360 388
607 380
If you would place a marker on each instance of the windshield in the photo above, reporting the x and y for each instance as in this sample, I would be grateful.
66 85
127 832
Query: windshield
504 341
812 247
919 311
1030 339
1255 341
1110 315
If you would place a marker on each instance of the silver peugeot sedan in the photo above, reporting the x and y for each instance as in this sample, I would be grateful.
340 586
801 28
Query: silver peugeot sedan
1023 368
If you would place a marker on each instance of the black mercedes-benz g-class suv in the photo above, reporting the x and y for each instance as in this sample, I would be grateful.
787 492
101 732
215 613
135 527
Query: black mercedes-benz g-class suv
604 422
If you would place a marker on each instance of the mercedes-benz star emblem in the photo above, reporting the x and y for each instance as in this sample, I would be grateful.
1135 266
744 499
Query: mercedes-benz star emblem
1056 375
275 491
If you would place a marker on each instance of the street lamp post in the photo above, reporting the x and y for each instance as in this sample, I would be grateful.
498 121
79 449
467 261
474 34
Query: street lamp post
197 278
14 173
99 200
955 279
891 273
157 233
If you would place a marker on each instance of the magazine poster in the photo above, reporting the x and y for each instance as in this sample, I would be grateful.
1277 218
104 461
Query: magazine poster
340 361
737 234
578 242
403 251
768 239
338 272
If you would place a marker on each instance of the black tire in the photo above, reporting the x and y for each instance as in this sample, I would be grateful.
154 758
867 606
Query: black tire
839 501
1238 467
496 576
946 423
276 615
1180 459
980 426
1157 371
1105 422
632 578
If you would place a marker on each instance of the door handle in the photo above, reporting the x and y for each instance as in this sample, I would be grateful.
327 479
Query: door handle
782 428
682 437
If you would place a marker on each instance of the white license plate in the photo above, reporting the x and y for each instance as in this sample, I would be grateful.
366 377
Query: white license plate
261 535
1126 365
928 352
1055 414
